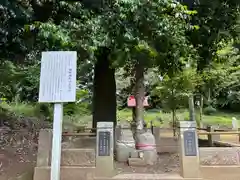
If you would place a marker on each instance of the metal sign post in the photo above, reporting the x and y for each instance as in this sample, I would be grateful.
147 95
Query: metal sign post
57 85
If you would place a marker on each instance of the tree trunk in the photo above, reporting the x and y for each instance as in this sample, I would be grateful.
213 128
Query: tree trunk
173 110
209 95
174 122
139 93
191 109
104 92
201 110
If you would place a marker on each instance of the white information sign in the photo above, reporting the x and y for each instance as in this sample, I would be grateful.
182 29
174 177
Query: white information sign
58 76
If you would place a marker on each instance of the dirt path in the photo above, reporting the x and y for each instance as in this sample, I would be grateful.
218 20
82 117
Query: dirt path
167 163
17 152
14 162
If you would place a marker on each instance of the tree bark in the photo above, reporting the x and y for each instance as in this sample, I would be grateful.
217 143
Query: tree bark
201 111
174 122
191 109
104 92
139 94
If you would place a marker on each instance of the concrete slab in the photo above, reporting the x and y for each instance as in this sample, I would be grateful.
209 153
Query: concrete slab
78 157
136 162
147 176
83 142
137 176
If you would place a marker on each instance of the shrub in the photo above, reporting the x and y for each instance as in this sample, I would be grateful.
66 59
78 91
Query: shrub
81 107
209 110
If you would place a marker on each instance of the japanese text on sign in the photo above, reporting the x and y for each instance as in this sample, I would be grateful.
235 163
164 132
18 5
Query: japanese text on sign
190 143
104 143
58 76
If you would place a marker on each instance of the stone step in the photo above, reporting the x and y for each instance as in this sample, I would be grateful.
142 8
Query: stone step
136 162
67 173
78 157
80 142
136 176
135 153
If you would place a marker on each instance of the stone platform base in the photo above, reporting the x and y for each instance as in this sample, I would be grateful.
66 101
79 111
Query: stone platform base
80 173
136 176
220 172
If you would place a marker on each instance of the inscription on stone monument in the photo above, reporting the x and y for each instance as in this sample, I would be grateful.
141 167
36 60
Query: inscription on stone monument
104 143
190 143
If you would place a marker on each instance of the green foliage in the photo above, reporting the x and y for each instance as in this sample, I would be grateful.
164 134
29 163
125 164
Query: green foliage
174 91
19 83
209 110
81 107
28 110
219 118
14 15
162 35
217 21
129 36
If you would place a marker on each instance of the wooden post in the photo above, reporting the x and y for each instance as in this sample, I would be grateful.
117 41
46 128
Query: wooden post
210 141
201 110
239 135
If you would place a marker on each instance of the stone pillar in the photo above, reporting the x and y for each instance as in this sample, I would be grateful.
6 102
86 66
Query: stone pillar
44 147
117 136
156 133
188 150
104 147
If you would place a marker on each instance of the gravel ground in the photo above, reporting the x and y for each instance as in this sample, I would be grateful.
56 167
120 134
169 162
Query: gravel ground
166 163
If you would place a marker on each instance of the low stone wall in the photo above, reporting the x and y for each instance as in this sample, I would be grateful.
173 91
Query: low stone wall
222 163
220 156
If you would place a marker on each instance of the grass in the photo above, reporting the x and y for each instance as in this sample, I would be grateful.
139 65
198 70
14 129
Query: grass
220 118
20 109
74 122
31 110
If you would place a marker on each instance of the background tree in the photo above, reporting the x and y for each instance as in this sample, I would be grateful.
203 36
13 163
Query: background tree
175 90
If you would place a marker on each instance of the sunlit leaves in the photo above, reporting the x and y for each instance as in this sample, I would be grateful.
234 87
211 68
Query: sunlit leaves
216 21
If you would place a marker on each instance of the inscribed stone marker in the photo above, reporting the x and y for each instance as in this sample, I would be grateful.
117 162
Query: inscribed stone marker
104 146
190 143
189 154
